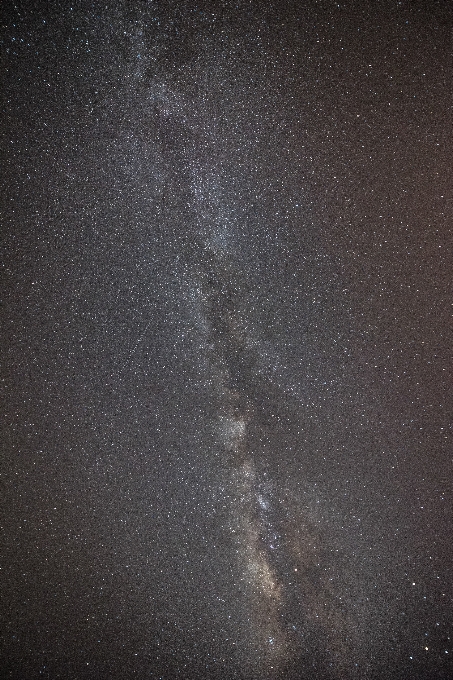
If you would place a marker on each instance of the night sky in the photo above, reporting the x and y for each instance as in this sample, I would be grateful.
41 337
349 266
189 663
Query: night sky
227 338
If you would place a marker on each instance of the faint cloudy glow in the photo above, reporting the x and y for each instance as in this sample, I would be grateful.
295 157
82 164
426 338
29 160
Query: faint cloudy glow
232 431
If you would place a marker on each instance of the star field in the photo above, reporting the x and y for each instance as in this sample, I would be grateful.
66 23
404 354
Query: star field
226 340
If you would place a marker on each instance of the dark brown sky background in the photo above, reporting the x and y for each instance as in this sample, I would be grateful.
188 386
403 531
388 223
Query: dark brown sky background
310 144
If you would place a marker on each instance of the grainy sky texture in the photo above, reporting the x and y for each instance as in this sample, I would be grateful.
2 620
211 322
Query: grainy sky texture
227 377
